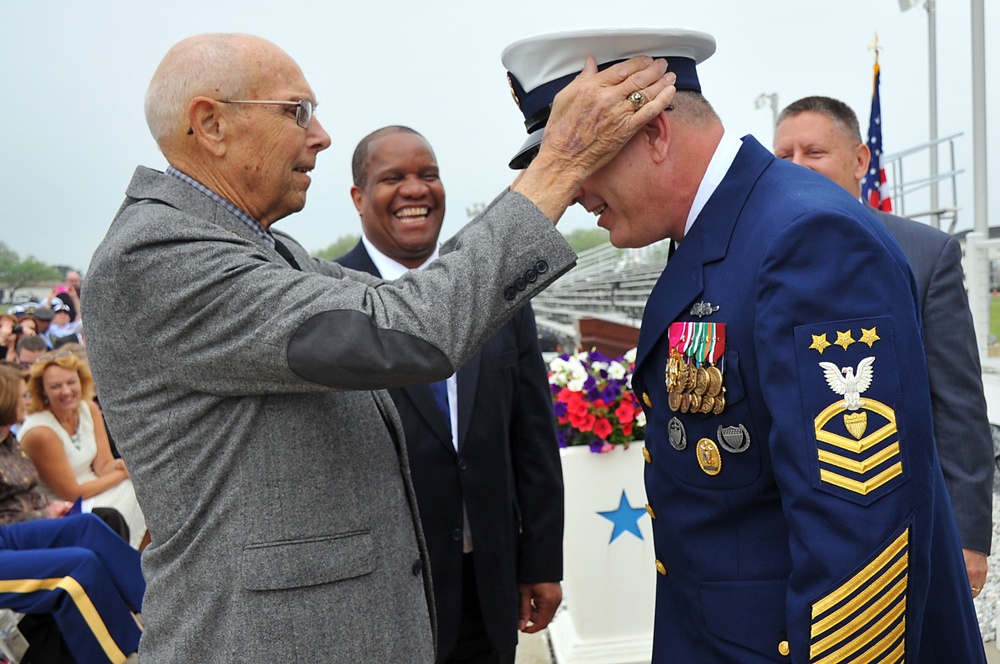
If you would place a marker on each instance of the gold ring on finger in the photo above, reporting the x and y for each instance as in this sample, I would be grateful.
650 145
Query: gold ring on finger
637 99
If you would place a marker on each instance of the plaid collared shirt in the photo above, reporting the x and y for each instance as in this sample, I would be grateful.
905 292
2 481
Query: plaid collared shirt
247 220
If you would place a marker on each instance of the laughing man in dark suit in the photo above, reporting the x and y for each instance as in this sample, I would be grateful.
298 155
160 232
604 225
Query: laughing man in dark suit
481 444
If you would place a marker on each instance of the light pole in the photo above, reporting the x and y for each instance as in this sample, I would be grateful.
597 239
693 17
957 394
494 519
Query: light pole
932 99
980 210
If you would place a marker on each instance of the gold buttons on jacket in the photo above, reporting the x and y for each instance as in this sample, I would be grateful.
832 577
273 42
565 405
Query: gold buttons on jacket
650 512
646 456
661 568
646 400
783 649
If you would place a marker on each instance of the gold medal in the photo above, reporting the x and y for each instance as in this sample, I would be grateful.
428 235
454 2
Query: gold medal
674 401
714 381
695 403
685 403
720 404
700 381
708 456
690 378
707 403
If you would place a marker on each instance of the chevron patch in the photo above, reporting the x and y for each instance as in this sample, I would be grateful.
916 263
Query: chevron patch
864 619
860 462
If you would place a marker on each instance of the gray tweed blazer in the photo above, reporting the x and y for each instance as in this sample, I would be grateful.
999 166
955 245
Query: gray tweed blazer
247 399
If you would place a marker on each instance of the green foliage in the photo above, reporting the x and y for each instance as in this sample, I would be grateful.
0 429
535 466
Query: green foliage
586 238
343 244
16 273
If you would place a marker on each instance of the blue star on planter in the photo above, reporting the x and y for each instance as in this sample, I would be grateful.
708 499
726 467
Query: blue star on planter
625 518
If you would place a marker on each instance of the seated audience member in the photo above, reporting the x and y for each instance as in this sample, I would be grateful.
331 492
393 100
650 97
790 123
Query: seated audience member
62 324
20 498
65 436
29 349
8 341
43 320
85 576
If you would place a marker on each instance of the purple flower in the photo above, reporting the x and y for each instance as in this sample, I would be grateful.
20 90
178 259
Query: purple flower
596 445
560 408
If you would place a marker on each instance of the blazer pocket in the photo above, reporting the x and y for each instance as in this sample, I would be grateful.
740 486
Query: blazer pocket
749 614
306 562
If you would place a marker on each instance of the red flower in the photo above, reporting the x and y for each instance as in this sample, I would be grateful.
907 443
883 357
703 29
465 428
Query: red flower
603 428
625 412
582 421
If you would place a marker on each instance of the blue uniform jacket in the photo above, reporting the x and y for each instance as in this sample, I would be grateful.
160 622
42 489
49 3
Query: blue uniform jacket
801 523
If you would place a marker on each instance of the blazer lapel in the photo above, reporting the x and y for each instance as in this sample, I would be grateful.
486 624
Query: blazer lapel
682 280
468 379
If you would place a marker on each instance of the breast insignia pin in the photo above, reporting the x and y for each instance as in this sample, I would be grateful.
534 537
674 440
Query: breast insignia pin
734 439
677 434
702 309
708 456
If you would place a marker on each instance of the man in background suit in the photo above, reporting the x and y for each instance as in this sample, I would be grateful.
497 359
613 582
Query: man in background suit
823 135
265 452
797 504
486 456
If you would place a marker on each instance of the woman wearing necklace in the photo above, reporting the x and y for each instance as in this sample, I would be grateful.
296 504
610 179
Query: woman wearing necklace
65 438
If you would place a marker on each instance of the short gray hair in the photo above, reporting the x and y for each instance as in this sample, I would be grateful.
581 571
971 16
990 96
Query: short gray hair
842 115
211 65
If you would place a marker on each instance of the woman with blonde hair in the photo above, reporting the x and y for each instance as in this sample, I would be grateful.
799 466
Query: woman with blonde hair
65 438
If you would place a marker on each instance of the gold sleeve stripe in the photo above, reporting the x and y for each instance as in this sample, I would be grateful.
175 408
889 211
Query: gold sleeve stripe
858 622
83 604
849 444
877 653
825 624
867 641
863 488
867 613
859 467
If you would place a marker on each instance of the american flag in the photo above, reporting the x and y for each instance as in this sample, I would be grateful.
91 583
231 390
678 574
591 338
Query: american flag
874 189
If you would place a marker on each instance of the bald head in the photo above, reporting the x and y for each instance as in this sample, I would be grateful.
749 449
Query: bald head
219 66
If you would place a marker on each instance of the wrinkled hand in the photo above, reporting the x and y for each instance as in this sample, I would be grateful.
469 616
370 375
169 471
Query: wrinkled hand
975 567
590 122
539 602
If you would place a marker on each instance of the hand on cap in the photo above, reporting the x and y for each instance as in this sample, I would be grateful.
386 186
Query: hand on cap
591 120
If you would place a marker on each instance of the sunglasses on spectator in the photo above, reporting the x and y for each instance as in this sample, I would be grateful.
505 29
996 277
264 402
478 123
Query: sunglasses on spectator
54 355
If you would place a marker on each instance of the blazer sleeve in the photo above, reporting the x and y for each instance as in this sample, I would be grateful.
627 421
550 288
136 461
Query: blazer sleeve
961 425
263 328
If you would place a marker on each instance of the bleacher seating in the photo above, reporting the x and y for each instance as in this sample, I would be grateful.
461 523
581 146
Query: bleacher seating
611 283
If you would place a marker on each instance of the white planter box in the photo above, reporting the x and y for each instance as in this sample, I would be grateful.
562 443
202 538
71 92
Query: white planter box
609 586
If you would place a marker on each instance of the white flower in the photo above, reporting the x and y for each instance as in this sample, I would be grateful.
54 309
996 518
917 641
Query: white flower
630 356
616 371
640 418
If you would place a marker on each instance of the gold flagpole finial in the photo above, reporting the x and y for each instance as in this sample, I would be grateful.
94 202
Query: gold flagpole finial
874 46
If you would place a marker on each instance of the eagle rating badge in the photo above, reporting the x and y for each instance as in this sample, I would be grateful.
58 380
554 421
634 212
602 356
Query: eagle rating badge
858 444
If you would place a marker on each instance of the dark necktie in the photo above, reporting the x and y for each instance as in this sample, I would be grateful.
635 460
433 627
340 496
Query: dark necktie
440 391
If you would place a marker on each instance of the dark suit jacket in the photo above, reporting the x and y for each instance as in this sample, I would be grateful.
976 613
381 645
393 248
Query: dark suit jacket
961 426
822 518
506 470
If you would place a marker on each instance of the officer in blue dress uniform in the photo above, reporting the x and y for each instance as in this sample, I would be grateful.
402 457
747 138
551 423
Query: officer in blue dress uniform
799 512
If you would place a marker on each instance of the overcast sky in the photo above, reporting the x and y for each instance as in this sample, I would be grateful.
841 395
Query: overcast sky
74 77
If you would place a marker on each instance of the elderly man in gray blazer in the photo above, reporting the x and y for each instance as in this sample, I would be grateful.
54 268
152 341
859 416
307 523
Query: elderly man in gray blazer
248 398
822 134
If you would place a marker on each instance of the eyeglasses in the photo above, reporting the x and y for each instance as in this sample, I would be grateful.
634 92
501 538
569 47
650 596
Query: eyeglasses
303 114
